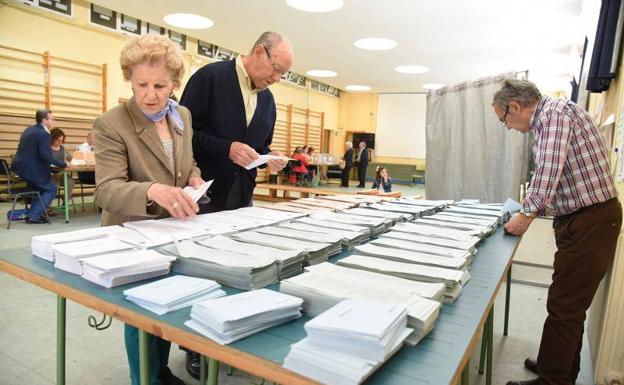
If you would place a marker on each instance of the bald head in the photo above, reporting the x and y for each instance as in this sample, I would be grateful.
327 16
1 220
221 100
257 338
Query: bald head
269 59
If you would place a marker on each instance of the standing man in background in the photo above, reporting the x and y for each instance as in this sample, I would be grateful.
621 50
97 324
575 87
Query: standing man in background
32 163
347 158
573 181
362 160
234 114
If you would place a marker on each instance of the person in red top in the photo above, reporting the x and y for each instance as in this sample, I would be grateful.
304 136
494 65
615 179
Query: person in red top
573 182
303 158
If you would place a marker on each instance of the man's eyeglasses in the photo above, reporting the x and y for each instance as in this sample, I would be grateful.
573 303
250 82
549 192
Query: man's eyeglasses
276 67
503 120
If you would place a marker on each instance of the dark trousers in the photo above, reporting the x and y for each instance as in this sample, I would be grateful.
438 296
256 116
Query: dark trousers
47 192
362 174
586 241
236 199
345 176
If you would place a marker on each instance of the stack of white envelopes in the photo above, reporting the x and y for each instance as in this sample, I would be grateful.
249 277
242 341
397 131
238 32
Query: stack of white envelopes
322 286
348 342
317 251
289 262
71 255
347 238
242 271
125 267
41 245
237 316
459 261
173 293
162 231
453 279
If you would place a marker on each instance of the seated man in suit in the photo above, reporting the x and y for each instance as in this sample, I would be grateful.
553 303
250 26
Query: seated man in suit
32 163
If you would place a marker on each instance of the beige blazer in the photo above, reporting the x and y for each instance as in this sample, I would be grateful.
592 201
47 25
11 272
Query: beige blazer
129 158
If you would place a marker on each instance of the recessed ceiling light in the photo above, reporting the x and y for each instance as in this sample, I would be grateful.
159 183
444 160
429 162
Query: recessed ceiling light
432 86
357 87
411 69
188 21
321 73
316 5
375 44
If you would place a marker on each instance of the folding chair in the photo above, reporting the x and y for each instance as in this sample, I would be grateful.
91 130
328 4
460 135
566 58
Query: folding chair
20 192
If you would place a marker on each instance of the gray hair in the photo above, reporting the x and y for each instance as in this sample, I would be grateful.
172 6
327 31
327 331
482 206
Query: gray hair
41 114
521 91
268 39
349 144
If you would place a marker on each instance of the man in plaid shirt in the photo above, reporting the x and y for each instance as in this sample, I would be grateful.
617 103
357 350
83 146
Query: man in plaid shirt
573 182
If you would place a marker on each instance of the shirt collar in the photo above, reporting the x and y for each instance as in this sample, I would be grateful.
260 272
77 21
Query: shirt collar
243 77
46 128
538 109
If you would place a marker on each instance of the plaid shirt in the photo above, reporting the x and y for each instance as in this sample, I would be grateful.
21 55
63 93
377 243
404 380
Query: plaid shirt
571 160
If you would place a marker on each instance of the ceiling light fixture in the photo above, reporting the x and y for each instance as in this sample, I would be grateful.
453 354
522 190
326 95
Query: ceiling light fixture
316 5
321 73
357 87
188 21
411 69
375 44
432 86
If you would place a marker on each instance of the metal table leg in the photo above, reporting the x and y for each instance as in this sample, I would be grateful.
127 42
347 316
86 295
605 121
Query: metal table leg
144 358
484 344
507 301
490 340
213 372
66 193
202 370
60 340
465 376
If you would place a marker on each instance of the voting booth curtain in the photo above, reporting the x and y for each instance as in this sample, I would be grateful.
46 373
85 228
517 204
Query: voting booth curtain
469 152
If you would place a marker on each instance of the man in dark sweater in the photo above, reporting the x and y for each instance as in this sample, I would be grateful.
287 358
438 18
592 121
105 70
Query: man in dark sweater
362 161
233 115
233 119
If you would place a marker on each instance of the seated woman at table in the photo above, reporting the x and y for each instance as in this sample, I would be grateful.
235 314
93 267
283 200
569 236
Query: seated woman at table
57 139
382 180
310 155
144 158
302 157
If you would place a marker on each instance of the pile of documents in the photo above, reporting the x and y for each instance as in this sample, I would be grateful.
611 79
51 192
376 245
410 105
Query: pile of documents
489 223
70 256
437 205
347 238
468 245
324 285
173 293
334 205
242 271
163 231
371 212
290 262
125 267
364 230
423 248
292 206
415 211
436 231
459 261
276 216
348 342
41 245
479 210
375 225
317 251
234 317
453 279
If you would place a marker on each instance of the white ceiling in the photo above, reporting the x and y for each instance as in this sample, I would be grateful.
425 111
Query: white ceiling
458 40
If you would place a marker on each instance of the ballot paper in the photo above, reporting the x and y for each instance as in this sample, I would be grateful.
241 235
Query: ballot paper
324 203
266 213
334 225
241 271
435 231
70 256
41 245
475 230
511 206
197 192
237 316
408 256
125 267
349 341
469 246
162 231
290 262
423 248
394 216
173 293
348 238
416 211
262 159
300 234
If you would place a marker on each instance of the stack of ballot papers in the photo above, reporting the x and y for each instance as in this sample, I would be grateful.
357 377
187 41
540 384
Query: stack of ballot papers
475 230
41 245
358 199
237 316
70 256
348 342
162 231
457 261
488 222
435 204
415 211
276 216
173 293
469 246
422 248
242 271
435 231
125 267
453 279
482 212
298 208
229 222
322 286
375 225
334 225
289 262
347 238
335 205
300 234
369 212
317 252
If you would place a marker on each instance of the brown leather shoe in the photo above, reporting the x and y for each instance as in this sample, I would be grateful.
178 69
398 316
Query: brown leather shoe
531 365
